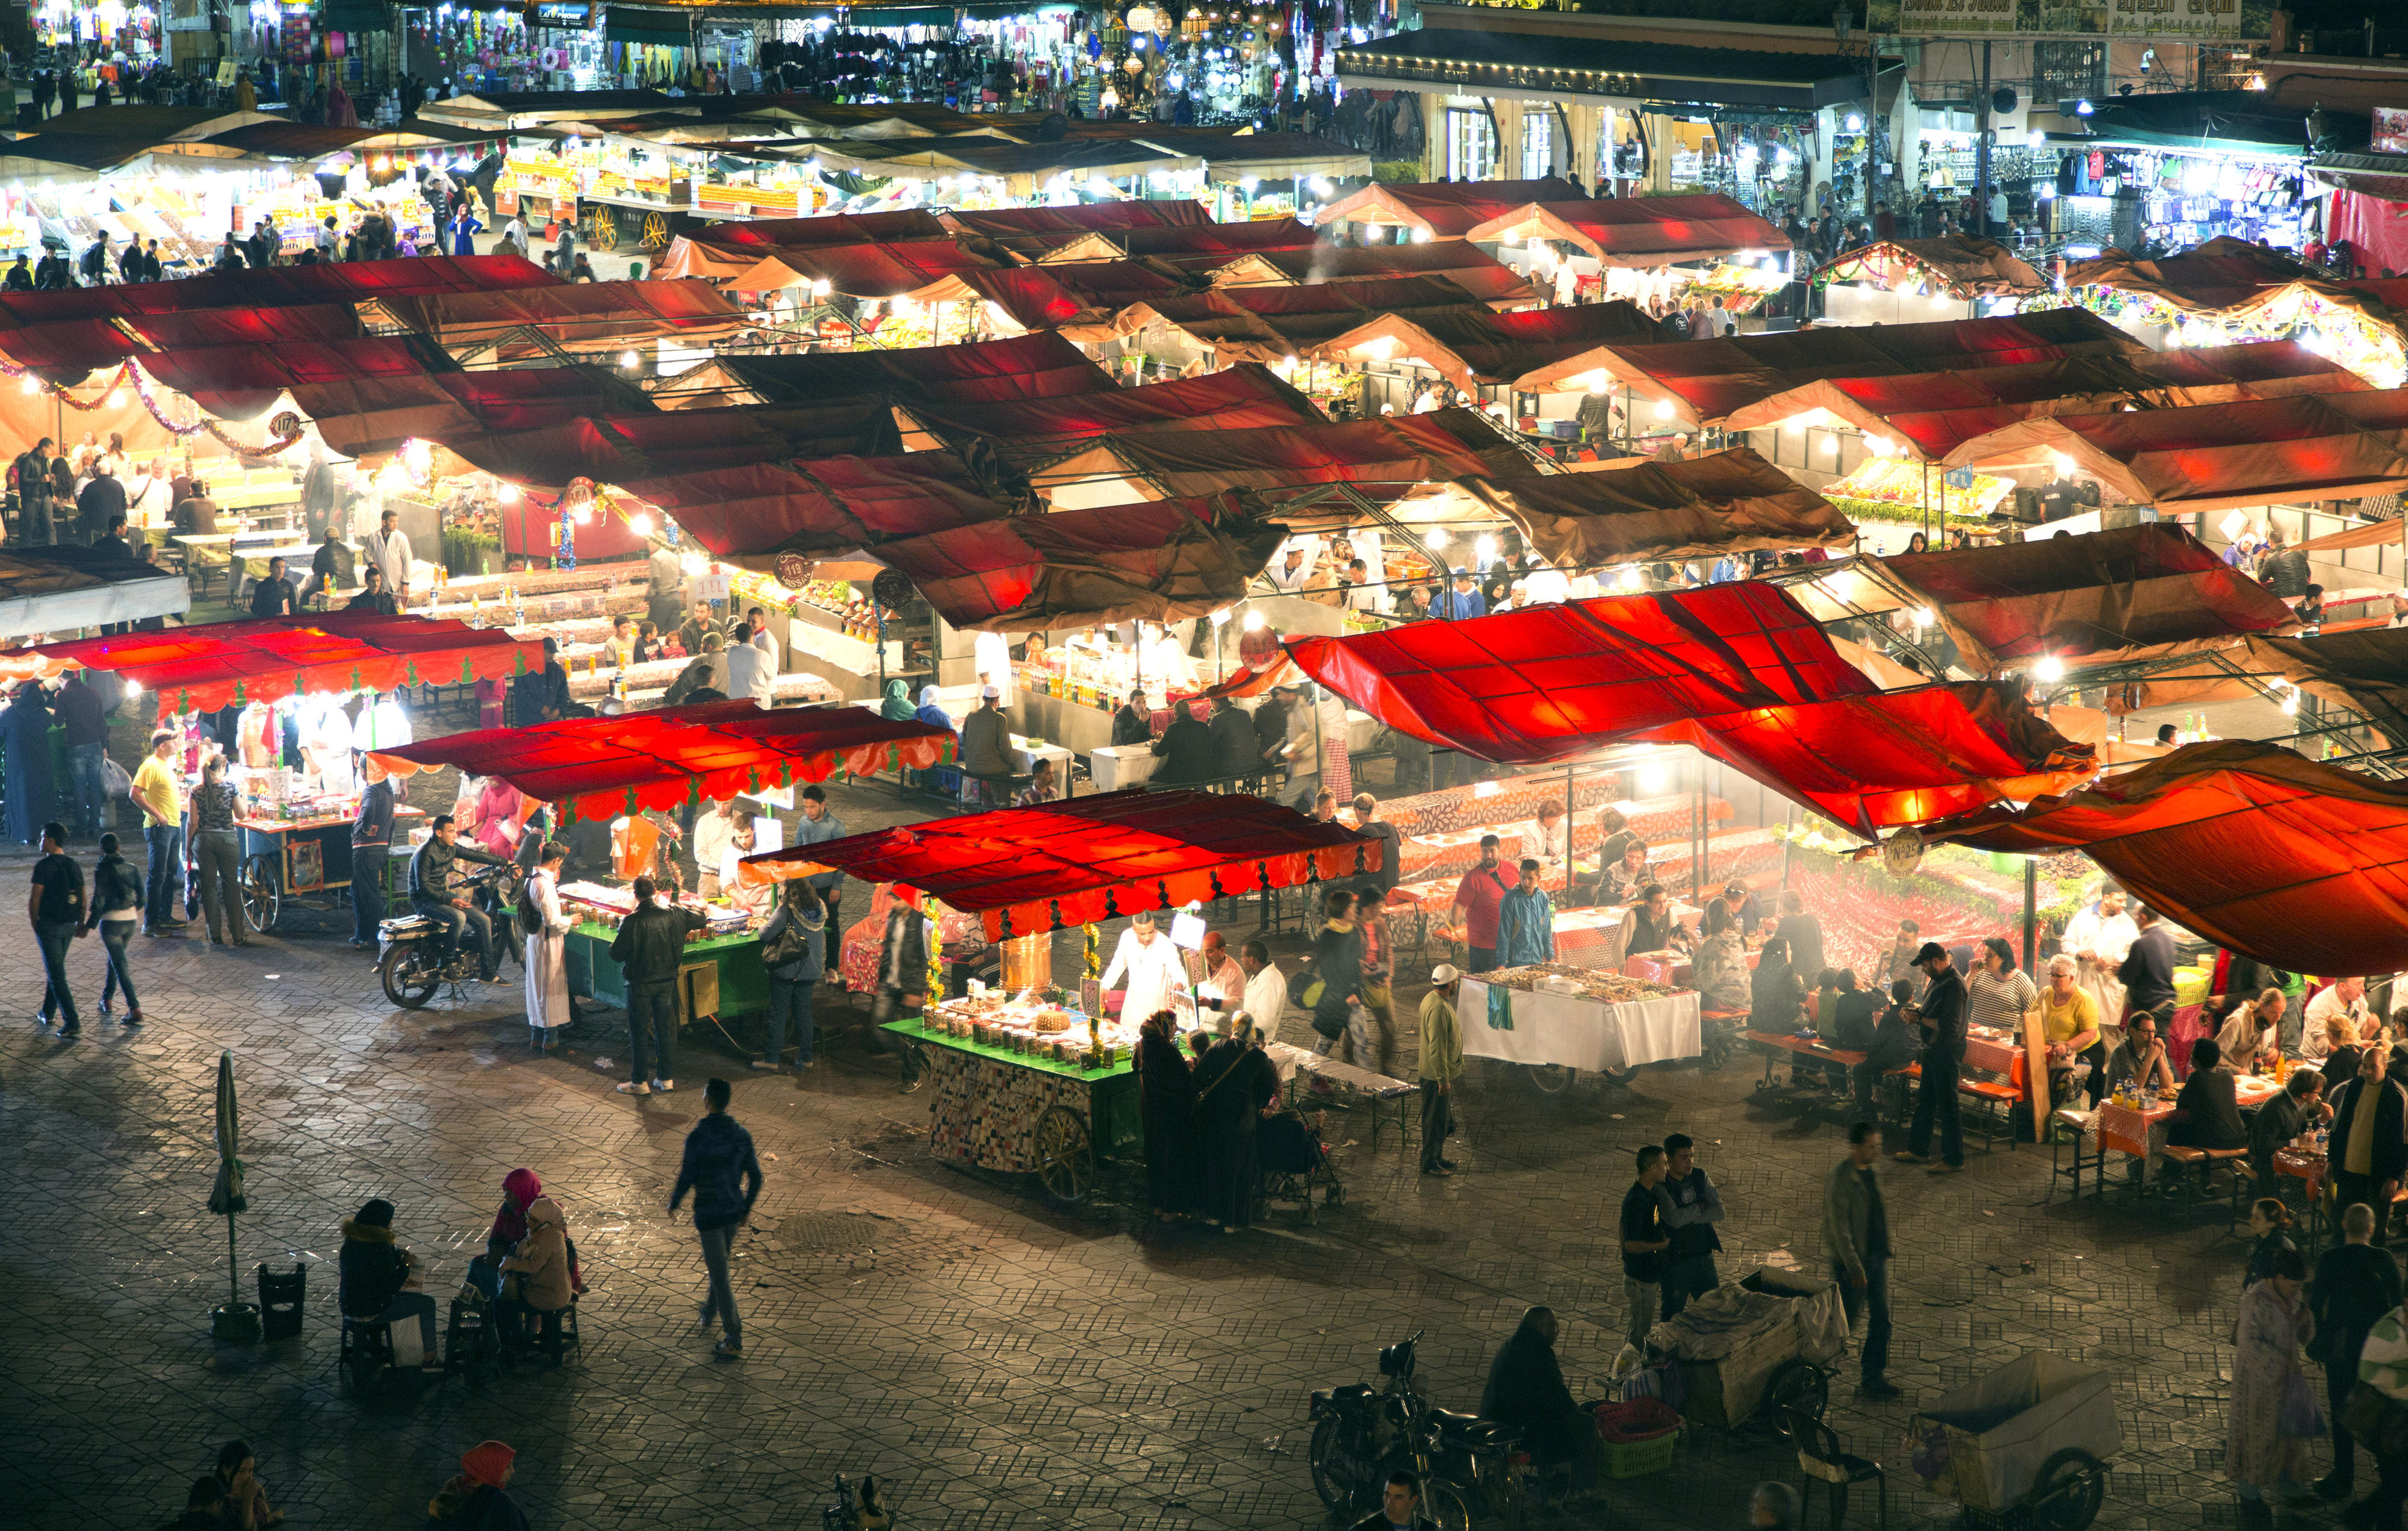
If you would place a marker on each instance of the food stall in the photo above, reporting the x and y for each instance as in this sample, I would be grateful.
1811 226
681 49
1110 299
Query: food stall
1038 1078
1560 1018
627 767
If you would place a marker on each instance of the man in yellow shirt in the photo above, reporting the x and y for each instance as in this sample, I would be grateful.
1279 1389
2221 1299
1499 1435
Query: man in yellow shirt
161 797
2070 1018
1442 1066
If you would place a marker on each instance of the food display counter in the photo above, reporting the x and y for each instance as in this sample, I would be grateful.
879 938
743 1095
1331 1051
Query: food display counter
1555 1014
1029 1084
293 849
720 976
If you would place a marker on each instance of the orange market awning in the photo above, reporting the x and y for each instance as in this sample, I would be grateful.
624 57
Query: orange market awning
602 767
1032 869
200 669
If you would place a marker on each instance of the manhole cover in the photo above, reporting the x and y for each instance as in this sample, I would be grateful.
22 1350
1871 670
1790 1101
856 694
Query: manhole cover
834 1231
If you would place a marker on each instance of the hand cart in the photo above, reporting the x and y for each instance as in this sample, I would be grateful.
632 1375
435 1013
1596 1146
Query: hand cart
2024 1447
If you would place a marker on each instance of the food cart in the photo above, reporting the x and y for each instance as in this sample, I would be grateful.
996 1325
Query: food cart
1034 1078
721 974
300 855
2027 1444
1558 1020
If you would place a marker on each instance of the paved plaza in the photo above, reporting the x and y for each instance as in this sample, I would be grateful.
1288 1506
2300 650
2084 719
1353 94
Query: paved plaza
1007 1363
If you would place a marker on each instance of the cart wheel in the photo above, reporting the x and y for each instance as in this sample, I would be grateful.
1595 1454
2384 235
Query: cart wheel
602 227
1551 1079
1801 1385
263 894
657 231
2067 1494
1065 1158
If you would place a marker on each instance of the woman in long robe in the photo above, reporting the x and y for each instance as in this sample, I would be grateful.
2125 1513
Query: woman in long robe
1165 1103
33 793
1233 1081
548 1005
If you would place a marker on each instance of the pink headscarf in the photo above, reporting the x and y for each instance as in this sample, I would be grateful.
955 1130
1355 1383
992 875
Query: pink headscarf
520 1188
486 1462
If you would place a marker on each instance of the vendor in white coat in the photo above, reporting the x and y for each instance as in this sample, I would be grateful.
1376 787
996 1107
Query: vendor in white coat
1154 976
547 1007
2099 937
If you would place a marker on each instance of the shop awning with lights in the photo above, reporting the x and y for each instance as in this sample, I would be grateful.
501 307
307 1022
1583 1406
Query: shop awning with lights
2221 456
1382 459
1028 366
1172 243
1161 562
1725 502
1034 869
1639 231
1459 260
1960 266
2137 593
865 271
1274 323
1247 396
1443 209
1471 345
2300 864
1707 380
2217 277
61 589
675 757
2365 670
1738 671
200 669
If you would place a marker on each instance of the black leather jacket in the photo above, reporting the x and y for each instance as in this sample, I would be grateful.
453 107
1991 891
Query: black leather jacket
651 943
433 867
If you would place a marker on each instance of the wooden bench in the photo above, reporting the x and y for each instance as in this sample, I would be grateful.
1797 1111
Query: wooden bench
1999 1095
2197 1164
1774 1044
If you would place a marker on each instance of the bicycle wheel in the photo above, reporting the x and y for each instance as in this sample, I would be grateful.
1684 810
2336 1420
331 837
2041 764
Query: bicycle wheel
1443 1503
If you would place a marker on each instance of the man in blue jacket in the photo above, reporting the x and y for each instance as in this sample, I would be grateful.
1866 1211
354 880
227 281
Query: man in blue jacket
721 1171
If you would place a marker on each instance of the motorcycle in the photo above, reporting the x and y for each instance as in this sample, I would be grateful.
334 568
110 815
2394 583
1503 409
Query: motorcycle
407 945
1361 1434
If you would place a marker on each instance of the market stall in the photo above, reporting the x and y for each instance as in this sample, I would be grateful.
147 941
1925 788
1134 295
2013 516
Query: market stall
1905 281
1552 1015
1039 1078
626 769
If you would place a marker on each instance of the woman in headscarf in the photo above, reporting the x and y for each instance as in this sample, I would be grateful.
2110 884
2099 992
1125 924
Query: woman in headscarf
897 706
1166 1101
930 712
26 753
1775 995
477 1497
1233 1081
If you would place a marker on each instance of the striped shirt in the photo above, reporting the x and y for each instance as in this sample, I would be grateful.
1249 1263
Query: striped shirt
1999 999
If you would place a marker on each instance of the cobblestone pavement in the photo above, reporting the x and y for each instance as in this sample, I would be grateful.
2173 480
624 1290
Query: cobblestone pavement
1009 1363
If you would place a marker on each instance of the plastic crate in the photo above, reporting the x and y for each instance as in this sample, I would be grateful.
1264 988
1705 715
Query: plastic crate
1636 1436
1636 1458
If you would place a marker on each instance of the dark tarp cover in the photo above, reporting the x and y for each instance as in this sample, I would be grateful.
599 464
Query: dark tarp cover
870 271
1160 562
364 416
240 382
587 316
1246 397
261 326
2365 669
1459 260
283 287
1731 501
623 449
750 513
1030 367
827 229
2299 865
668 757
1964 265
61 589
1086 218
1639 231
1033 869
1272 323
2138 592
1449 210
1385 457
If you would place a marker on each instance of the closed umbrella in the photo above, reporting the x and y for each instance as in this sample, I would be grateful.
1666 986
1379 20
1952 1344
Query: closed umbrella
238 1320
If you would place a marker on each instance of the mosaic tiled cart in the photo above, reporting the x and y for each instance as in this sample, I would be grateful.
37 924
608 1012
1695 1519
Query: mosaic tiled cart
994 1109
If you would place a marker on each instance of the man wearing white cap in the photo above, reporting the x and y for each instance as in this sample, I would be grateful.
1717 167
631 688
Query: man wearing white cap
986 749
1442 1066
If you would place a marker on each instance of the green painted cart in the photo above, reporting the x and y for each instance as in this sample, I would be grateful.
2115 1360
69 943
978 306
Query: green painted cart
1021 1113
743 983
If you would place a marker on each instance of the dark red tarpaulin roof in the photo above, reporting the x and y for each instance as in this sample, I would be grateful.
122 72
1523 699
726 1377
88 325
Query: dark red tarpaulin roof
1159 561
205 667
826 229
674 757
620 449
282 286
1029 367
1390 455
1094 858
752 512
1246 397
2299 865
248 326
1448 209
588 315
375 415
2138 592
1740 671
1087 218
875 271
238 382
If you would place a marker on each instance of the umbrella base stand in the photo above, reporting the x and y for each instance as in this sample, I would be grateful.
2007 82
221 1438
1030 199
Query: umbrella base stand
234 1323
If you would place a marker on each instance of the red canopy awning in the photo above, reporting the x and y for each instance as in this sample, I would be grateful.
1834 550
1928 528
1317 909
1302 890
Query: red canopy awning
750 513
1638 231
623 449
240 382
1448 209
360 415
586 317
1384 458
828 229
200 669
279 287
1247 396
1035 869
1159 561
1551 682
602 767
1031 367
2297 863
1740 671
1084 218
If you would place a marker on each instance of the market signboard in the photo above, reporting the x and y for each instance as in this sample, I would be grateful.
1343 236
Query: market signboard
2172 20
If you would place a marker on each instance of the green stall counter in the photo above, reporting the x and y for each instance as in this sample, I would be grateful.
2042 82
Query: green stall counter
734 964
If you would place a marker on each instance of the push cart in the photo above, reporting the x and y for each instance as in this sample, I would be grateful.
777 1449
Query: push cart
304 862
1762 1345
2025 1447
1024 1114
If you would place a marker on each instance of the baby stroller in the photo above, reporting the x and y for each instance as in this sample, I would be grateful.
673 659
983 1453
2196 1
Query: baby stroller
1293 1161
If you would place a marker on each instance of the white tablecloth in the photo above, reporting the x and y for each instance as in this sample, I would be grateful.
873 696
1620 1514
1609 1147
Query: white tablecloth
1576 1033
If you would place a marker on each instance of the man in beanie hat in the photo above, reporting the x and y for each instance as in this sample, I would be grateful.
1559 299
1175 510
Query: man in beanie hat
372 1272
479 1498
1940 1013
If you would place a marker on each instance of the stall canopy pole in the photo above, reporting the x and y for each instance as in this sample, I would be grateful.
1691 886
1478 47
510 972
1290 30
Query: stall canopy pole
2031 908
